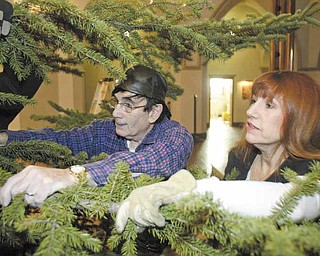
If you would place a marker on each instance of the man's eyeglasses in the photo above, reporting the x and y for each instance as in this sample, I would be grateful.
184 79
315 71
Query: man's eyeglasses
126 107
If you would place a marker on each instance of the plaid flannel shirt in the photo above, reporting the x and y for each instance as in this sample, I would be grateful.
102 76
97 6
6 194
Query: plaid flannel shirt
165 149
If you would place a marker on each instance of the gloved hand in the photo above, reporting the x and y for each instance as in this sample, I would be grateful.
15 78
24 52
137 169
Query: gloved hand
3 138
6 11
37 183
142 205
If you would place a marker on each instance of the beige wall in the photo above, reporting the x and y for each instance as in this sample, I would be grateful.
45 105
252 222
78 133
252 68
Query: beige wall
244 65
183 108
65 90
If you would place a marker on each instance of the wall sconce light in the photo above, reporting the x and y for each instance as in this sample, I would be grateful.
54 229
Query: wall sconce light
246 87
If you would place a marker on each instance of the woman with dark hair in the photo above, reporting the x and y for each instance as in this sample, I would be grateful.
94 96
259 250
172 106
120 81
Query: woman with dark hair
282 130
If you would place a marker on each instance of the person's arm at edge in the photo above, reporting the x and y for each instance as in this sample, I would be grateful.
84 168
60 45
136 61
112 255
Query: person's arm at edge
257 198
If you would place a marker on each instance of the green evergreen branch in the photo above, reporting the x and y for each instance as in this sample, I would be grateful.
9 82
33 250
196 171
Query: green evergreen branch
65 41
4 175
54 227
312 8
195 224
12 99
39 151
129 237
51 36
199 220
10 216
198 172
54 35
10 165
233 174
75 19
307 186
69 118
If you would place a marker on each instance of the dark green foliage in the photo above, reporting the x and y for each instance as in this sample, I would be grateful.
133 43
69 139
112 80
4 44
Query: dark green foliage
13 99
198 226
79 219
10 164
198 172
68 118
302 187
232 175
34 151
117 34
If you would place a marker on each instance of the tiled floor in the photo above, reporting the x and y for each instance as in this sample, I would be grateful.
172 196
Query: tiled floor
214 150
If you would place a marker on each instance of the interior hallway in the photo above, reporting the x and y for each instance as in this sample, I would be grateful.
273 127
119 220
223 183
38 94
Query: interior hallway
213 151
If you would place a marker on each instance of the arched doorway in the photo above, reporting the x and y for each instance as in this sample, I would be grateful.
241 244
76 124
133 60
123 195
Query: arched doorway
244 65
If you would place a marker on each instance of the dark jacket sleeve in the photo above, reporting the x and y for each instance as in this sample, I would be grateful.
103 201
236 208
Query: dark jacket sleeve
300 166
237 163
9 83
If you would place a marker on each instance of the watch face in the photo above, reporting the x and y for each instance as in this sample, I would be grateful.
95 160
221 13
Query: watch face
77 168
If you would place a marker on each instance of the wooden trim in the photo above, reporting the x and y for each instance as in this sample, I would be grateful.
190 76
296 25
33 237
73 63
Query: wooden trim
281 53
199 136
194 63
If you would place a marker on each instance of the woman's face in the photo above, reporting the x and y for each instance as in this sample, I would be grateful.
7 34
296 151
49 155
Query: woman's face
264 122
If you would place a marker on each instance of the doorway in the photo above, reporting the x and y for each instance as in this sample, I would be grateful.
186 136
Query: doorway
221 89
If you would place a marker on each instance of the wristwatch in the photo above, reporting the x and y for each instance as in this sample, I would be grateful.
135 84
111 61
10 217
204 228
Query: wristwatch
77 170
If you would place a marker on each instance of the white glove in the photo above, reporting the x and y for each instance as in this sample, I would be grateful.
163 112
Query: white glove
37 183
142 205
3 138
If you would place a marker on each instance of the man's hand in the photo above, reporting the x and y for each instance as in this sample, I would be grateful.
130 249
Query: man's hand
37 183
142 205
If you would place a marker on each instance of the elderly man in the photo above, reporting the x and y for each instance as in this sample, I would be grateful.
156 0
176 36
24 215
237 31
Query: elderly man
140 134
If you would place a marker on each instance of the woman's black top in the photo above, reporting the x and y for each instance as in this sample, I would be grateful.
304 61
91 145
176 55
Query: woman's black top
300 166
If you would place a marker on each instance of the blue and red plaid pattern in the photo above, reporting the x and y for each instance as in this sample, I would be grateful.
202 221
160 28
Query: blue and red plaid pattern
165 149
